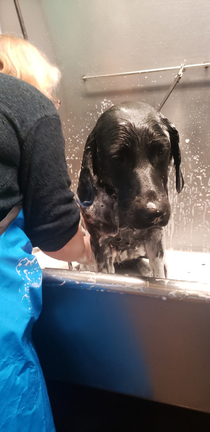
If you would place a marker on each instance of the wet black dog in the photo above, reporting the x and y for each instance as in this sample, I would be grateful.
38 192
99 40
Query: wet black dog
122 188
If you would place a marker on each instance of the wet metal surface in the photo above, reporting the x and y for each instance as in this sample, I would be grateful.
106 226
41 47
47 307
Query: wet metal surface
148 338
149 287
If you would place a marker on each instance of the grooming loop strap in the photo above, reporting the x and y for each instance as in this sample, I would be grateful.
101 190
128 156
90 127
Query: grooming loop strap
176 81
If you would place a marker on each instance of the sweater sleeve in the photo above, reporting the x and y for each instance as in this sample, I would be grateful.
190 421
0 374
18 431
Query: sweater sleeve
51 213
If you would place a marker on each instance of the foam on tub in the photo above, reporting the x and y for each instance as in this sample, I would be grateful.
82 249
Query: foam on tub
185 266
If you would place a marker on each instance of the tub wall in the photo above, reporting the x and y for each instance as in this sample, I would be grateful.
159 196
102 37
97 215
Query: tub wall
146 340
139 343
87 37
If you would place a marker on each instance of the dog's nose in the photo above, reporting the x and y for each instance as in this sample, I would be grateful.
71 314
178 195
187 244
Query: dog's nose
150 212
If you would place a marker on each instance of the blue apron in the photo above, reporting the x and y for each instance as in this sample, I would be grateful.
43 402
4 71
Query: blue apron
24 403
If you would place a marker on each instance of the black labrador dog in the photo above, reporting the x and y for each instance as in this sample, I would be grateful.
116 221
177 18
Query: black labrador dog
122 189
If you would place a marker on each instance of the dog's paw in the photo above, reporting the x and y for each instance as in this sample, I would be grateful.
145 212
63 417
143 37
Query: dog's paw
144 268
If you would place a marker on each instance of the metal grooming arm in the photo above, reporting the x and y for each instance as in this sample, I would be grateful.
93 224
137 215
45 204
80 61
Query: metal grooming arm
182 69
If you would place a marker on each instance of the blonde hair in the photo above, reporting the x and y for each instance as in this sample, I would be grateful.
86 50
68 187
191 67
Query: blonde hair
21 59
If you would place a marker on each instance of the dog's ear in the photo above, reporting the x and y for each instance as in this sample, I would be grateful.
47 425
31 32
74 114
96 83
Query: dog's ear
175 153
85 190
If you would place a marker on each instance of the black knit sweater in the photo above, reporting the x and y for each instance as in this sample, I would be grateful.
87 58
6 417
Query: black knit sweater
33 165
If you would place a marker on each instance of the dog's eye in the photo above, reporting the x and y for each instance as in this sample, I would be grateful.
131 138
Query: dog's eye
161 151
119 158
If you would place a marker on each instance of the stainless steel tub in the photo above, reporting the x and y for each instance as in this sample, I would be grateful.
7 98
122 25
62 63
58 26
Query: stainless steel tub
141 337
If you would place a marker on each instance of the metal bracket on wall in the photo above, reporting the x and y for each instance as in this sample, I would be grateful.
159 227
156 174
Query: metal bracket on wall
181 68
146 71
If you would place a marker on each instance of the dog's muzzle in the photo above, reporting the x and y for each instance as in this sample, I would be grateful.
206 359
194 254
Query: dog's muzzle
150 214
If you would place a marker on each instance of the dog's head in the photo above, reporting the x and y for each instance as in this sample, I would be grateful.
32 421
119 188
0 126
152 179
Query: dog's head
127 157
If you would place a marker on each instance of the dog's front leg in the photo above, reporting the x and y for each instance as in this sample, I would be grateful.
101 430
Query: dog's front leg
155 250
105 259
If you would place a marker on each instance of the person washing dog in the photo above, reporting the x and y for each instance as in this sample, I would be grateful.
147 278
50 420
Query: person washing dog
37 208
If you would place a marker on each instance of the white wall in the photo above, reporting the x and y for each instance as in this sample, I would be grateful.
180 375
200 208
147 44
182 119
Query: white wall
97 37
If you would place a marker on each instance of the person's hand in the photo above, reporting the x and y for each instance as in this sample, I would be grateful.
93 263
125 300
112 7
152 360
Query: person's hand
88 257
77 249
